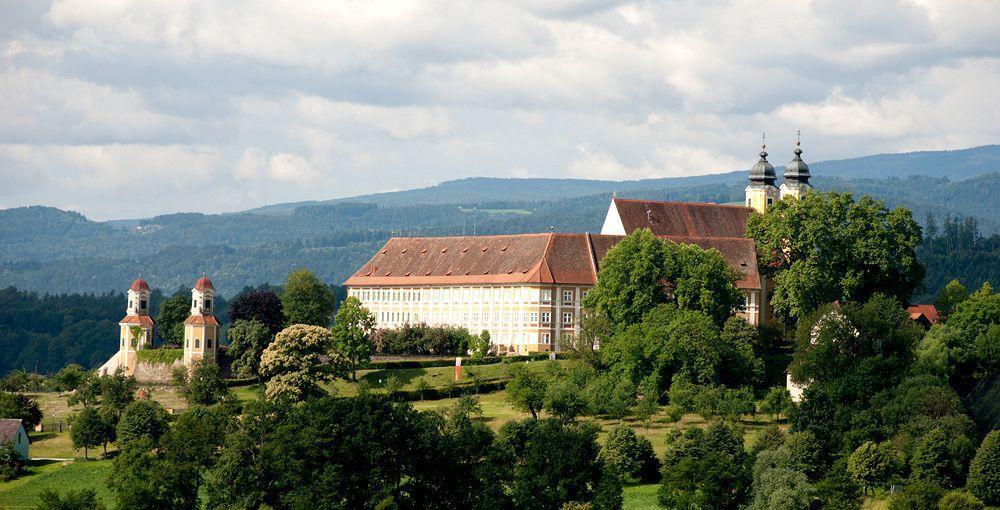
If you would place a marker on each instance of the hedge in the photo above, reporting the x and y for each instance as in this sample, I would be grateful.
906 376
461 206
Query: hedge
159 356
466 362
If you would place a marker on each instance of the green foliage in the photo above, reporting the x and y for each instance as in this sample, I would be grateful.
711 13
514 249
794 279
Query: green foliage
564 399
949 297
263 306
11 463
89 430
306 300
173 312
421 339
629 282
779 482
205 385
247 341
838 490
70 377
932 461
777 401
159 356
142 420
296 362
480 345
527 390
704 468
829 246
19 406
872 464
84 499
960 500
143 479
631 455
352 329
917 496
984 471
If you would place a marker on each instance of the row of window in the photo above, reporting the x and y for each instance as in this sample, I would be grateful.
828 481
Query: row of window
519 317
197 343
463 295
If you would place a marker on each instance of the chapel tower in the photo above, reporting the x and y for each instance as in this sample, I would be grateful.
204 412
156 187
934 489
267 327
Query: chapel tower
201 329
796 174
136 329
761 193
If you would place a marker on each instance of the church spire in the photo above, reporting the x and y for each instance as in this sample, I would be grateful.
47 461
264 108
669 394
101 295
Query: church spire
796 173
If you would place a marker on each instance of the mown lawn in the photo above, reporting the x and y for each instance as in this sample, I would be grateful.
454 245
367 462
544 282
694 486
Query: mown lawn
23 492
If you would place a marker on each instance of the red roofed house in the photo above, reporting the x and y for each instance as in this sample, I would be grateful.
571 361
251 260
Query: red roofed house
526 290
927 315
201 329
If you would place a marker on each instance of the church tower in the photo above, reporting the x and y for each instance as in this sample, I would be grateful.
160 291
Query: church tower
761 192
796 174
201 329
136 329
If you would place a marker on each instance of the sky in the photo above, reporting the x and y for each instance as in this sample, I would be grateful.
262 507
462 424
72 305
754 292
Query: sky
126 109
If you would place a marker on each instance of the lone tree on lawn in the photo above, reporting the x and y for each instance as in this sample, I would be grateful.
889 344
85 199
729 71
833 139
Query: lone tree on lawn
352 329
306 299
527 390
88 430
298 361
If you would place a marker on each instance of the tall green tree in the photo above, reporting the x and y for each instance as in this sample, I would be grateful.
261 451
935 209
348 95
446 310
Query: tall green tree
984 471
352 329
643 271
20 406
247 341
298 361
170 319
704 468
205 385
949 297
263 306
526 390
871 464
306 300
829 246
142 419
88 430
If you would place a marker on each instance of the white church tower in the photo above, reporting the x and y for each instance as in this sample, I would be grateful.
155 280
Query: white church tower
201 329
761 193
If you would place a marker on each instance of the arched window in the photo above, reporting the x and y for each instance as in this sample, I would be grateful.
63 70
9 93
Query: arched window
208 343
197 343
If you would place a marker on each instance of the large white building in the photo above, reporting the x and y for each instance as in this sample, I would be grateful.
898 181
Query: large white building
526 290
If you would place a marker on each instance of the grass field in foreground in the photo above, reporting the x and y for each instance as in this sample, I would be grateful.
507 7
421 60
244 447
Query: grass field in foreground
59 476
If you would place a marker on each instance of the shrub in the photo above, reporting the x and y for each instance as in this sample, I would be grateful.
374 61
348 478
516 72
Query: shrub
11 464
917 496
984 471
159 356
423 339
960 500
631 455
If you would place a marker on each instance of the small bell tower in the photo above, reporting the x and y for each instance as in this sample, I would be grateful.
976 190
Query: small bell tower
136 328
201 329
761 193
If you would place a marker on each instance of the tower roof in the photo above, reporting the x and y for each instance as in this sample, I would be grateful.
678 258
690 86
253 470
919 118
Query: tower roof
203 283
139 284
796 169
762 172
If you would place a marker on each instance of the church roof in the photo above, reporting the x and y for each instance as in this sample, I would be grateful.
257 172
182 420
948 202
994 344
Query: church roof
203 283
141 320
762 172
201 320
690 219
139 284
572 259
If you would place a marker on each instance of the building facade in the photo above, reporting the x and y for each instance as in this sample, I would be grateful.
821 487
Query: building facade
201 328
527 290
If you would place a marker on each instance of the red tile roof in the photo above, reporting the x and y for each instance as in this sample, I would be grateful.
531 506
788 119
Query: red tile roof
139 284
690 219
928 311
203 283
202 320
142 320
527 258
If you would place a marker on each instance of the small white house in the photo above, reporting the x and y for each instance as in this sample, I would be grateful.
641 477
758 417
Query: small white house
12 430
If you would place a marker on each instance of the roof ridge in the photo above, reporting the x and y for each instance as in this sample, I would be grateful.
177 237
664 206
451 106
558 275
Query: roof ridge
702 204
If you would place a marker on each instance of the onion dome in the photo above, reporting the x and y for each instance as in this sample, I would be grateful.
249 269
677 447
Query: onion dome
797 170
203 283
138 285
762 172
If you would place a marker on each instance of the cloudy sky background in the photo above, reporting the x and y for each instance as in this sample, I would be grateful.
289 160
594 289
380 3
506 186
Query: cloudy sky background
122 109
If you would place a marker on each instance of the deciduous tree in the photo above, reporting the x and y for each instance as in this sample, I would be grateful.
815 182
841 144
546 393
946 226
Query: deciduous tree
263 306
306 300
247 341
352 329
298 361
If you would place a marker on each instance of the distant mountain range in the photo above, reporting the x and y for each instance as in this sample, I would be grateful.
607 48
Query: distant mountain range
50 250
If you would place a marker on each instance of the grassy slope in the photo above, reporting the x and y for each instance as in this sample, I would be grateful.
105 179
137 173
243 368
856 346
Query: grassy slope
58 476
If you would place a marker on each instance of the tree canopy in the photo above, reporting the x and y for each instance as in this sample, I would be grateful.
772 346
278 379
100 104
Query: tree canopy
828 246
306 300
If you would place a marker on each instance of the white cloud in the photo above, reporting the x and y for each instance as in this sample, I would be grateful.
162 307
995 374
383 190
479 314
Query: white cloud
263 102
